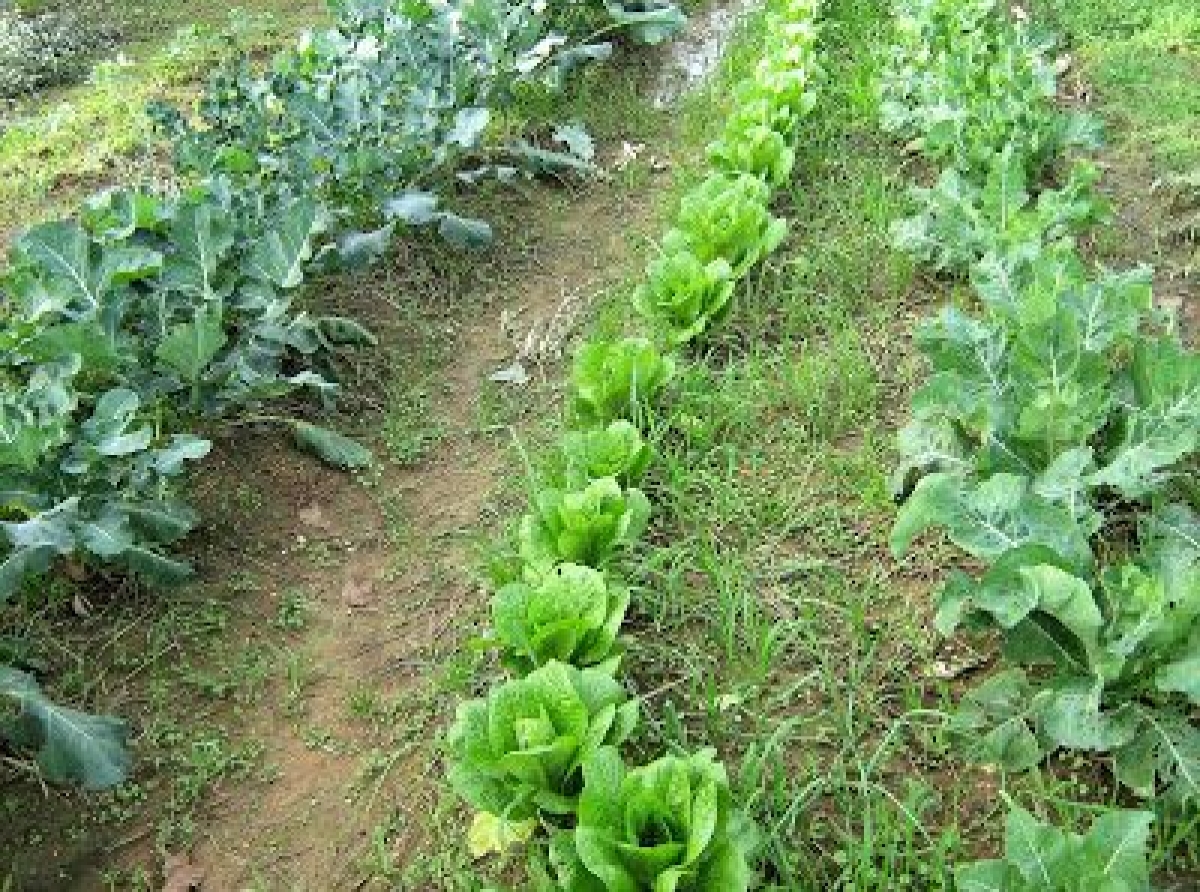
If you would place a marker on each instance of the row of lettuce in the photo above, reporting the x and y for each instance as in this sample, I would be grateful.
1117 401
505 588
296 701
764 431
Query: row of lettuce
1054 442
540 752
155 314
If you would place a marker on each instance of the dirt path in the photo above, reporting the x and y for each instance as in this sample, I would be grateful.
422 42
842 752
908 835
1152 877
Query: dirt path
395 604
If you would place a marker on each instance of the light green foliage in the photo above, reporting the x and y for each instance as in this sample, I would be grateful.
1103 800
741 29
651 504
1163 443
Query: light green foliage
571 614
683 296
726 218
669 826
958 224
617 450
965 80
1039 857
1064 410
520 750
616 380
758 150
584 526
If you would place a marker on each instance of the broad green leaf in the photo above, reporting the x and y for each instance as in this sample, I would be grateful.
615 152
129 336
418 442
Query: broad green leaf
463 232
989 518
108 428
202 237
330 446
1033 848
1072 715
108 535
61 251
161 520
156 567
1162 424
469 125
1181 677
70 745
982 876
412 207
191 346
281 252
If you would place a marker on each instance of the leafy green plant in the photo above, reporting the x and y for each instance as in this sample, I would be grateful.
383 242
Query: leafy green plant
726 218
125 329
1039 857
669 825
1055 442
571 614
683 297
613 380
375 114
617 450
965 80
758 149
958 223
68 745
584 526
520 750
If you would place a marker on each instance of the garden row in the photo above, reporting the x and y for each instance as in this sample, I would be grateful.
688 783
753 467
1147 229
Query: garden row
540 751
1054 442
153 315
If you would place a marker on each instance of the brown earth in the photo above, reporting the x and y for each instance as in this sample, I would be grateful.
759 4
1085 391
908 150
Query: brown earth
392 614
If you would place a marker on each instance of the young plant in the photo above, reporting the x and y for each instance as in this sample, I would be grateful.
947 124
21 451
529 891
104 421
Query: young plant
958 223
519 751
757 150
670 825
613 380
1039 857
572 614
682 296
584 526
965 81
618 450
727 218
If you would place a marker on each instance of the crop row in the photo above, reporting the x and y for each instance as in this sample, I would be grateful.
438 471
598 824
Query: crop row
1054 442
539 753
153 315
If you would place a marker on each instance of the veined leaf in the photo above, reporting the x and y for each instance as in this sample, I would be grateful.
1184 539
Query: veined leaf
70 745
330 446
989 518
191 346
1161 426
280 255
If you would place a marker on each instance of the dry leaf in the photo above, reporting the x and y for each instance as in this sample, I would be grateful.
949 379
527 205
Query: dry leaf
181 875
314 517
356 594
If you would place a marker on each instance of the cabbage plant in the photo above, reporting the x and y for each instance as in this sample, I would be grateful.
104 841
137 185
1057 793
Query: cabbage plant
756 149
583 526
669 826
727 218
617 450
521 749
571 614
616 379
683 296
